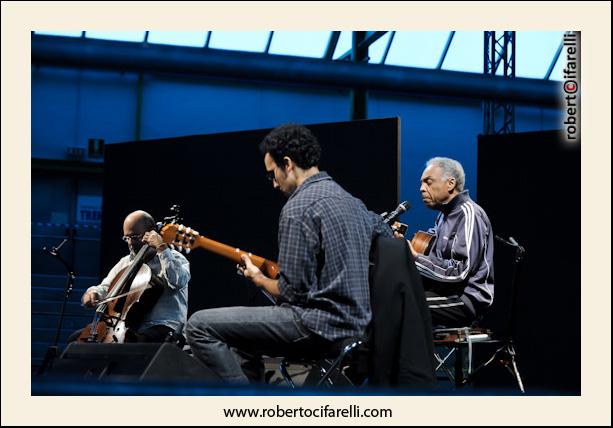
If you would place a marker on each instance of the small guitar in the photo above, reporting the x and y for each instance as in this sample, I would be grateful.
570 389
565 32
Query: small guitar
422 241
181 237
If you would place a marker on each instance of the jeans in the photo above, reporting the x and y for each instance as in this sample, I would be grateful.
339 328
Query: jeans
231 341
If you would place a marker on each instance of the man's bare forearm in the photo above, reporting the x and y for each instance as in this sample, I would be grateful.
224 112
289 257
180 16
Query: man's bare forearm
270 285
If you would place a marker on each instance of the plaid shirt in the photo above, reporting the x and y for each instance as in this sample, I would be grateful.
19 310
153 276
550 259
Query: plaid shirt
325 236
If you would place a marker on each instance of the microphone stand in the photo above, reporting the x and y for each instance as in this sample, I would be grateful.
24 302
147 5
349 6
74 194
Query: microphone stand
52 351
519 255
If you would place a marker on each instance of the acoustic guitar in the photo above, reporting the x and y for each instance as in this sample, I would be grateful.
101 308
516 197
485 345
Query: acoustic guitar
421 242
186 238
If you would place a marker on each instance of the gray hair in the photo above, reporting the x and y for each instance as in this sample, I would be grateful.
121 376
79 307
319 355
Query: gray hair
451 169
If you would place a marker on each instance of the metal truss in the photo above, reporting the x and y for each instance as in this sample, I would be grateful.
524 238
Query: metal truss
498 116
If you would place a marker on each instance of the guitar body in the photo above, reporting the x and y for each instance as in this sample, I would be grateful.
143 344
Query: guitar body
422 242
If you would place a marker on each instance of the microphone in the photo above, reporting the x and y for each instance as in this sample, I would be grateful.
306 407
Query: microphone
391 217
54 251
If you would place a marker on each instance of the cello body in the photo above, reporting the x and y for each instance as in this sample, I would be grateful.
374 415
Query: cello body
126 303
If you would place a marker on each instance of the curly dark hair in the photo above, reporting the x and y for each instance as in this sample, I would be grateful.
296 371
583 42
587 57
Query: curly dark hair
294 141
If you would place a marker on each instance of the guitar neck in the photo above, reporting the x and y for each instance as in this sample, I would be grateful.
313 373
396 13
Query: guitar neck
269 268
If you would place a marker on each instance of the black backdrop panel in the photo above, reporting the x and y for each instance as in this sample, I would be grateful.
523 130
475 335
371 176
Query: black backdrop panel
219 181
529 184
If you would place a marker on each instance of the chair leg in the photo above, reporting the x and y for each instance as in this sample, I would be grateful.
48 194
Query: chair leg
459 367
285 374
441 364
504 355
482 366
511 351
518 377
336 364
326 372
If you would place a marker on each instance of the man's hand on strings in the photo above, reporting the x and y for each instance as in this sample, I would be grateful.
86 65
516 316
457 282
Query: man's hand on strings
248 269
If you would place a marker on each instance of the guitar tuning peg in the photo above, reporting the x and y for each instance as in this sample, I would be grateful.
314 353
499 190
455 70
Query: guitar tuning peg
172 246
180 249
188 250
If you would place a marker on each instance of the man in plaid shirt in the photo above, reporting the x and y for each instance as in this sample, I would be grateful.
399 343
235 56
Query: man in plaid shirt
322 291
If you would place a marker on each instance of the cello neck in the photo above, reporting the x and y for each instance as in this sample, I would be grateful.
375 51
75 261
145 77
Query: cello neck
127 275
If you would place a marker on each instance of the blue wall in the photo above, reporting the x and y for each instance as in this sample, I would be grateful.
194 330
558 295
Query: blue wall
70 106
176 107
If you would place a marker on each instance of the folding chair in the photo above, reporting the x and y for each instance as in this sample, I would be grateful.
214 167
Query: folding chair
328 368
455 340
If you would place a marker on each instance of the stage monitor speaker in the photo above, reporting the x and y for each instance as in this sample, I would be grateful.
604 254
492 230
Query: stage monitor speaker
161 362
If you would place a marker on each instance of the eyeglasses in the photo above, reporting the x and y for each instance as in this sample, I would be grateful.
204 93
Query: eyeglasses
132 237
270 175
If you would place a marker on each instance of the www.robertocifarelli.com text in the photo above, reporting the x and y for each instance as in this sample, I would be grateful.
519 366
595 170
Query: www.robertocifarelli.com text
352 411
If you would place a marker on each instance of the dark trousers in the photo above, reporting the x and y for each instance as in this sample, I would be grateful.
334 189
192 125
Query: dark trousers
448 311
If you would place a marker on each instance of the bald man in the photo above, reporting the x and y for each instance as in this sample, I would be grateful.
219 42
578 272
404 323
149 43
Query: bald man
169 269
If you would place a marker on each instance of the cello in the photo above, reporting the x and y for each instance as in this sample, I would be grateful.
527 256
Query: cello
126 301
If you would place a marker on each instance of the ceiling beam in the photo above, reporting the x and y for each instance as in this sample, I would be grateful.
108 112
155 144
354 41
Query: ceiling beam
332 45
371 37
445 50
556 56
179 60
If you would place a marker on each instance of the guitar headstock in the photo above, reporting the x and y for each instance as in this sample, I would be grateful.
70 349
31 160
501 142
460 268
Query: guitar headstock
180 237
174 217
